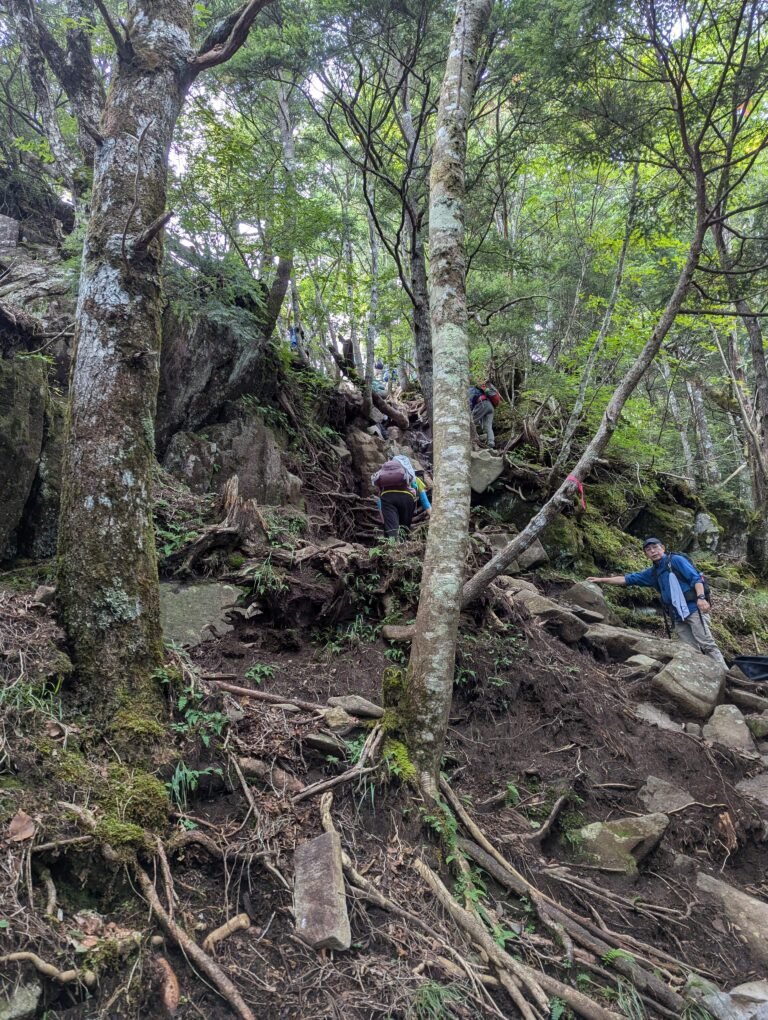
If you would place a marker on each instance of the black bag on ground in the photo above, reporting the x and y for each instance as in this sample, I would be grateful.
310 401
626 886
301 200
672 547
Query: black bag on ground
754 667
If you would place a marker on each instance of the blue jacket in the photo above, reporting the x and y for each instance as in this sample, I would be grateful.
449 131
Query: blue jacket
659 579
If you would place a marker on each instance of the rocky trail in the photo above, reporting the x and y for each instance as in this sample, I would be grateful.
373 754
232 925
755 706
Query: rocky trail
606 807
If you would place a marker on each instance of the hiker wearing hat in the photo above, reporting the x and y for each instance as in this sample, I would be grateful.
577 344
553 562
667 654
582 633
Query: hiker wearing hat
683 595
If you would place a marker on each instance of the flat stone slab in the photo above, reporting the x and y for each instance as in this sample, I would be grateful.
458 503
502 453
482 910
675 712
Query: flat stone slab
589 597
617 644
660 796
484 469
619 845
693 682
728 727
194 613
656 717
358 706
748 915
553 617
319 900
756 788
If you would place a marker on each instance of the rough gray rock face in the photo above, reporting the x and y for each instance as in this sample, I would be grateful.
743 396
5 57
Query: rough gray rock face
705 532
693 682
758 725
756 788
208 363
484 469
748 914
617 644
319 902
9 234
195 613
586 595
660 796
619 845
556 620
728 727
744 1002
245 448
656 717
643 663
22 1004
368 454
23 398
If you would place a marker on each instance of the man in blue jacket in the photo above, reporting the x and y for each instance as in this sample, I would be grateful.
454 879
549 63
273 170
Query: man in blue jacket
681 588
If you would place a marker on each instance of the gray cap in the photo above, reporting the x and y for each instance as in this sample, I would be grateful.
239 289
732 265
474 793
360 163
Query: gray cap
652 541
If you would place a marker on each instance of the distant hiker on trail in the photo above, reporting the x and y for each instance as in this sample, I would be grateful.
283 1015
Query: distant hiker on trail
399 491
683 595
482 401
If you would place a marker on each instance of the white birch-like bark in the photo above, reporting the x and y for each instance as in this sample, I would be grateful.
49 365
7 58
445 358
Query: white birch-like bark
431 667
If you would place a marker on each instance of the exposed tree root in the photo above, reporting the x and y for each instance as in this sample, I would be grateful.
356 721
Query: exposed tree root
551 913
537 984
191 950
280 781
370 747
62 977
274 699
237 923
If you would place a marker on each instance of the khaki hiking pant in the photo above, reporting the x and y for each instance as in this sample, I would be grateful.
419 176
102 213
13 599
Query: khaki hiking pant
482 415
696 633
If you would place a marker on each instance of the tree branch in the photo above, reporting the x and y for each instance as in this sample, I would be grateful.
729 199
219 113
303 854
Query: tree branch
122 45
220 52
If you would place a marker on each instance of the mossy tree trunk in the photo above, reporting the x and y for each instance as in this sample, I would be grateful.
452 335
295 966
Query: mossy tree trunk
431 666
108 590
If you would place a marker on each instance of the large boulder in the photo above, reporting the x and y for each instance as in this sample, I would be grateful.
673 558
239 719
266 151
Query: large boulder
617 644
705 534
588 596
655 716
246 448
553 617
727 726
368 454
484 468
748 1001
195 613
748 915
23 399
620 845
209 361
692 681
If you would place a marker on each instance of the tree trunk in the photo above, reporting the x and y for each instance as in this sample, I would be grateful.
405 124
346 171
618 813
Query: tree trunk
373 311
422 334
678 421
108 590
709 471
431 666
610 420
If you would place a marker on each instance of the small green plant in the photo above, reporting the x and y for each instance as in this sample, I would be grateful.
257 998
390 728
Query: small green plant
185 781
432 1001
511 795
618 954
557 1008
398 761
395 654
629 1001
464 676
265 579
260 671
190 704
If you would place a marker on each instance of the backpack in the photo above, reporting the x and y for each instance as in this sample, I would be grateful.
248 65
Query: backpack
391 475
492 394
475 394
689 594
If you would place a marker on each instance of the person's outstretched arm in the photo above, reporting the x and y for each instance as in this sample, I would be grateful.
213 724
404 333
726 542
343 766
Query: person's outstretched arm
615 579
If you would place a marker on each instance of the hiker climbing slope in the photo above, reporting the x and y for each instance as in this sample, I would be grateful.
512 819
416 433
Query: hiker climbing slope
399 490
683 595
483 398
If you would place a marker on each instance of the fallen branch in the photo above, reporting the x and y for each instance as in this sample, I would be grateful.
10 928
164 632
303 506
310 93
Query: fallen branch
238 923
191 950
274 699
280 781
63 977
329 784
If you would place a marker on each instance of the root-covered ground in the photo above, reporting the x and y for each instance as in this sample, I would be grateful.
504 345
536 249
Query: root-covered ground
134 905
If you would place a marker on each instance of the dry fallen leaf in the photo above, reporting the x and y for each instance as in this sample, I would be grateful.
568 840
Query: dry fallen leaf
21 827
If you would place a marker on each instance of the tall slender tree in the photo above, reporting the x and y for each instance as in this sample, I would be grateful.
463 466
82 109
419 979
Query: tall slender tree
433 653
